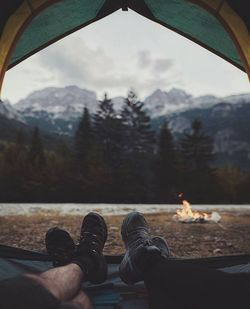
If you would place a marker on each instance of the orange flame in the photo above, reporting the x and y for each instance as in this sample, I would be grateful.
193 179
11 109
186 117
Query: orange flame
186 214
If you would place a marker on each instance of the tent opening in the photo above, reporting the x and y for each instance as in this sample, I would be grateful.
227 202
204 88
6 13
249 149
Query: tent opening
153 159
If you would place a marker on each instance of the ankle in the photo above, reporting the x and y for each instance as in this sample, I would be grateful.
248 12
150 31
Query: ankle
85 263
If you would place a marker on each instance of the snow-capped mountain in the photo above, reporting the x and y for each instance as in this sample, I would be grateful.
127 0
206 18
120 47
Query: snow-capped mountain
68 102
65 103
7 110
162 102
58 110
227 123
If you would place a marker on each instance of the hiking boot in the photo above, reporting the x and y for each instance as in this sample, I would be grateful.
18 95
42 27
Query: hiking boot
60 246
141 248
161 243
89 254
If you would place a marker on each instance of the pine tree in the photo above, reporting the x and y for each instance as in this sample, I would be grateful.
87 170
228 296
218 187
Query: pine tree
167 171
108 131
197 148
14 172
197 155
108 136
36 152
138 150
20 138
105 110
84 136
139 136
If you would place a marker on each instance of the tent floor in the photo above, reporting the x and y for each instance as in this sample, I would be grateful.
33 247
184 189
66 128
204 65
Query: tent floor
15 262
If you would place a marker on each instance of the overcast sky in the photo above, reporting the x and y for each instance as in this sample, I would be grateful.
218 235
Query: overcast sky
123 51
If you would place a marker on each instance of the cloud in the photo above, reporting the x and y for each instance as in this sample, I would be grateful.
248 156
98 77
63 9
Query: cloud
73 62
162 65
144 59
144 62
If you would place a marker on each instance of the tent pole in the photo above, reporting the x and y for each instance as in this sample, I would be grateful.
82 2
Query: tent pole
125 5
14 28
234 26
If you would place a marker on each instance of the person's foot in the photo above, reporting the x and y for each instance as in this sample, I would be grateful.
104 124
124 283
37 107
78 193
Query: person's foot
141 248
161 244
60 246
89 254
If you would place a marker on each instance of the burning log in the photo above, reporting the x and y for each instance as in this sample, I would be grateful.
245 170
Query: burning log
187 215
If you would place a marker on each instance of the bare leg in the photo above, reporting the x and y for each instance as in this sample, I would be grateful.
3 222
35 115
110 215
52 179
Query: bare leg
63 282
82 300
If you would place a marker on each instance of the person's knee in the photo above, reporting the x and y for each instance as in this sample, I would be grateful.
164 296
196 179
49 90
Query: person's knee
82 300
47 284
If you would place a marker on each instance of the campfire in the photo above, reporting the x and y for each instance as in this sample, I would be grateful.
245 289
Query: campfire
187 215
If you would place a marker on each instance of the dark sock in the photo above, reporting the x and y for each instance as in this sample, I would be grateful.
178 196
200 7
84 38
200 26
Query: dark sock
85 262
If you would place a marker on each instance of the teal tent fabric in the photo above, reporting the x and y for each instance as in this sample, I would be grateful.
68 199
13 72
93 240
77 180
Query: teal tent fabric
53 22
184 17
196 23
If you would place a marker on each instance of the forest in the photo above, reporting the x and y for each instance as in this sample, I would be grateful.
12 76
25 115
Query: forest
118 158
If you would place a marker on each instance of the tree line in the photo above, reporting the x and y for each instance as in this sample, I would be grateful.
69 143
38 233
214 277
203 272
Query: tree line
118 158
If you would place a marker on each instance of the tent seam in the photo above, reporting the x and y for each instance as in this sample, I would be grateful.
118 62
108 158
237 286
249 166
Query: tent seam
30 6
219 7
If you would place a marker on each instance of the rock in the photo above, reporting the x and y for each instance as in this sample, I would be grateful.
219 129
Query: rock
207 237
217 239
114 228
54 222
217 251
215 217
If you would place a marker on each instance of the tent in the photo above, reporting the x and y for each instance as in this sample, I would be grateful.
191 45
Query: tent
28 26
113 293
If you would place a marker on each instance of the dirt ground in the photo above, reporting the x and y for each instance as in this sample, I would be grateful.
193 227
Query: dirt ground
230 236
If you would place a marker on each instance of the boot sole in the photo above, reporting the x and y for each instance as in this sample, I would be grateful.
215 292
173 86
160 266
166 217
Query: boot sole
94 214
101 275
126 222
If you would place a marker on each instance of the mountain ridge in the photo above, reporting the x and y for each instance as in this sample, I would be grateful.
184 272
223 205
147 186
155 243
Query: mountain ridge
58 110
